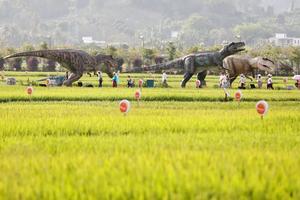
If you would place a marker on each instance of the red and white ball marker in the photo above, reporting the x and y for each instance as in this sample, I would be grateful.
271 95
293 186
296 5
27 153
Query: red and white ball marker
238 95
124 106
30 90
262 108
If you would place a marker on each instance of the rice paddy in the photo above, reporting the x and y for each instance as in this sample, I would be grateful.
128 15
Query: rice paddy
73 143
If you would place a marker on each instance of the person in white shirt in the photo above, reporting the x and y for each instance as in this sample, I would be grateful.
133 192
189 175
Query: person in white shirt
164 79
270 82
242 82
259 81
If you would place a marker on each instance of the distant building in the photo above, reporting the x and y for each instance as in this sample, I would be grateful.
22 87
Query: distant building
282 40
89 40
103 44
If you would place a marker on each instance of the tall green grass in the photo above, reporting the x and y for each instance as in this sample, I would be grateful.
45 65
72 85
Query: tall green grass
160 150
73 143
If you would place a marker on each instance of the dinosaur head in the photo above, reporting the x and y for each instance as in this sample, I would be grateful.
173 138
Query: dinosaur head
232 48
109 61
265 64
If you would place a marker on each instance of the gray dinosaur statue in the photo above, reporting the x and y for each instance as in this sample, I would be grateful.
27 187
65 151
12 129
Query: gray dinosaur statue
197 62
76 61
236 65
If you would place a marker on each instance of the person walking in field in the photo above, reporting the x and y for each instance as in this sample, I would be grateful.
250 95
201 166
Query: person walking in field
242 82
100 78
118 77
67 75
164 79
114 80
259 81
270 82
223 81
129 82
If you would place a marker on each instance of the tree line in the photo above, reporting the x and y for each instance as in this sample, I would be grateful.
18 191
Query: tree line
287 59
195 22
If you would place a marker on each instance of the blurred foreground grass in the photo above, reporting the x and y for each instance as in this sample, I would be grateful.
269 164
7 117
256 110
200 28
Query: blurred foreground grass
160 150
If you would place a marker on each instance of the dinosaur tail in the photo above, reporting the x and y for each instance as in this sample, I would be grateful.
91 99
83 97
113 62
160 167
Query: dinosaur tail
41 53
163 66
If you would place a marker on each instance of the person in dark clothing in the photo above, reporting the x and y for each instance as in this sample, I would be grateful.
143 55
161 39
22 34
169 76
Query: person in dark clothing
129 82
100 78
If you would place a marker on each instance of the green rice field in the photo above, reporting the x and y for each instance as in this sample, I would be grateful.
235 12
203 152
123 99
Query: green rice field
74 143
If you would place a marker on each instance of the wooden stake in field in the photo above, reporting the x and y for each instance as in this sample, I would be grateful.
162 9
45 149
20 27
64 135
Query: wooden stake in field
124 106
138 96
262 108
29 92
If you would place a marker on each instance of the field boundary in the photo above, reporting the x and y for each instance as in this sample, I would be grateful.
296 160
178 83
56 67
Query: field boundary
146 99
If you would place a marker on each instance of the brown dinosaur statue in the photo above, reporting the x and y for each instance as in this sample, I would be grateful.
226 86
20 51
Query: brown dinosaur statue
237 65
76 61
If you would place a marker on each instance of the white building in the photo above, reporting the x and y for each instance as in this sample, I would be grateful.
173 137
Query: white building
282 40
90 40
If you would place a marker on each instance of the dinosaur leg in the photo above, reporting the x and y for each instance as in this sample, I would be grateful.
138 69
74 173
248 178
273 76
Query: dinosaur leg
201 76
189 70
186 78
72 78
232 79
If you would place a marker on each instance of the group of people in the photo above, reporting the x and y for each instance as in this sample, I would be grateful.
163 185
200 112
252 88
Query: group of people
260 81
115 79
130 81
269 81
225 82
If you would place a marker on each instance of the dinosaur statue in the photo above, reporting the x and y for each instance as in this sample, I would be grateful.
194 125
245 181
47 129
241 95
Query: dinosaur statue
76 61
197 62
237 65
